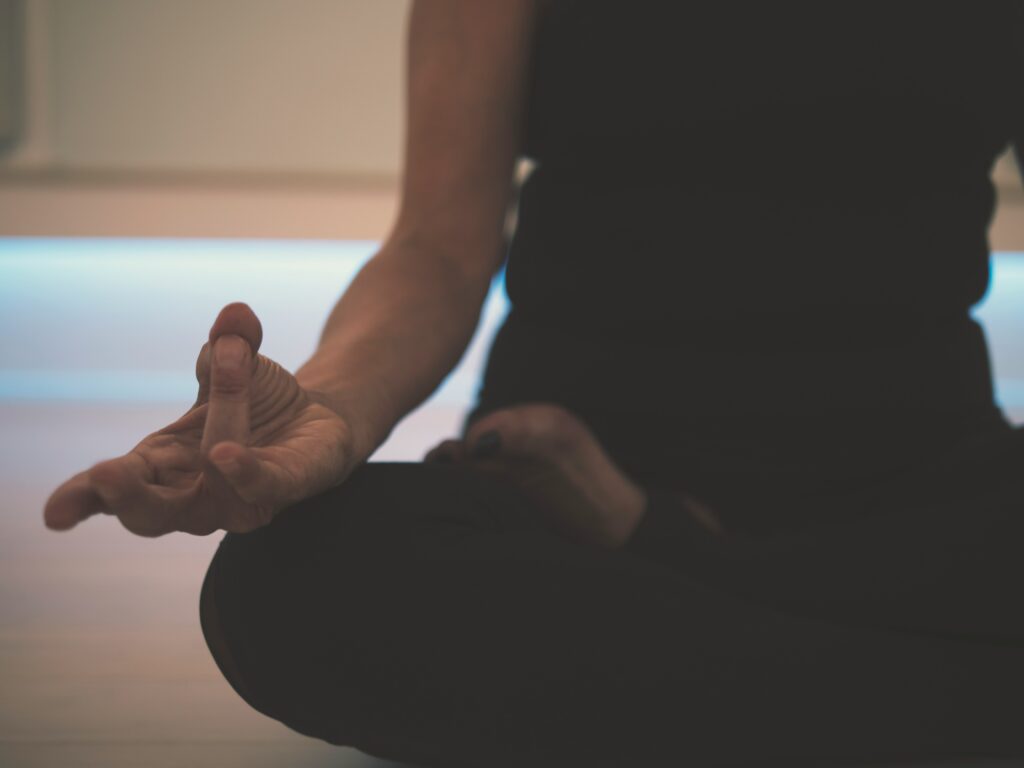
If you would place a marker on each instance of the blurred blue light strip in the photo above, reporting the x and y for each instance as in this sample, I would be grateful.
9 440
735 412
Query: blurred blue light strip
132 386
77 311
77 386
121 320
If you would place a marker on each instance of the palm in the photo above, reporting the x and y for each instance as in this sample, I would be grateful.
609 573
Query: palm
284 443
289 442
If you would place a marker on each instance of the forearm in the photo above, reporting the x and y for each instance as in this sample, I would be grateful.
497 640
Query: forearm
398 330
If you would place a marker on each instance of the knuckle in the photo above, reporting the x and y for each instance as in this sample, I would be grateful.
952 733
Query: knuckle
228 395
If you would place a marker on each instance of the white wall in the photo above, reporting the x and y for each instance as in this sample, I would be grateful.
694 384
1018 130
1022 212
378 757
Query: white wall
10 71
295 86
220 93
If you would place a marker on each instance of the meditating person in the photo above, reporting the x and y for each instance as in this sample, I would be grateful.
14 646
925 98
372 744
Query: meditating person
734 490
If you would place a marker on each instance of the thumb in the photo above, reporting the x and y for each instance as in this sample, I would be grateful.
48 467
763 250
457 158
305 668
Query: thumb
235 318
231 370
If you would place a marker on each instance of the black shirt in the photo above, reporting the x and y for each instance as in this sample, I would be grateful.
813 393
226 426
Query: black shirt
748 251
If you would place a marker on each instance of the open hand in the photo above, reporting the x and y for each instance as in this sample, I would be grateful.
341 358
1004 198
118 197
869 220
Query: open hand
253 443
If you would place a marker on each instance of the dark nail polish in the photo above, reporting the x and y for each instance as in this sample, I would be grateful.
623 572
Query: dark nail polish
443 458
486 445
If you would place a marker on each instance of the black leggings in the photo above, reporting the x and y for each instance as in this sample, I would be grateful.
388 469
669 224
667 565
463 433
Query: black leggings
424 613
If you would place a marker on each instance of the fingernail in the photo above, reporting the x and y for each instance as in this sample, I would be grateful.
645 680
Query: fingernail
443 458
229 351
486 445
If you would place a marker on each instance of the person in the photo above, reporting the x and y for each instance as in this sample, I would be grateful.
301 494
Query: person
735 488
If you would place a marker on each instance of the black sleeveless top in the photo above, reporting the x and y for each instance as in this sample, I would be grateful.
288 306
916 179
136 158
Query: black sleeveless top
748 250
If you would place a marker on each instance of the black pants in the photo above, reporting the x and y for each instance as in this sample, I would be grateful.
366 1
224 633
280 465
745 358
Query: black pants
426 614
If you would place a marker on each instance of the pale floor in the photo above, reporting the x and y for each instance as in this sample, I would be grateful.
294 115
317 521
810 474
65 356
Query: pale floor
102 662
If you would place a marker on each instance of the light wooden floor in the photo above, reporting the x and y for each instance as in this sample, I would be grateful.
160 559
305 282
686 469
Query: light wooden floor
101 658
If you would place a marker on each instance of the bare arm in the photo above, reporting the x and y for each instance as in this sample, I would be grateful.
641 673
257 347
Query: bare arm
408 316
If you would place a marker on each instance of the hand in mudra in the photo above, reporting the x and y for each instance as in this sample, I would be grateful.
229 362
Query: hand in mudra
553 457
253 443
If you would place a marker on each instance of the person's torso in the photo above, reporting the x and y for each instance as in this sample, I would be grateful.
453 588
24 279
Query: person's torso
751 215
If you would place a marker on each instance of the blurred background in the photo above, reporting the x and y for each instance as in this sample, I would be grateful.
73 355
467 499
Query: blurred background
159 159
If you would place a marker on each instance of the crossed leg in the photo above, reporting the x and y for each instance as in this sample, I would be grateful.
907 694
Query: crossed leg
422 613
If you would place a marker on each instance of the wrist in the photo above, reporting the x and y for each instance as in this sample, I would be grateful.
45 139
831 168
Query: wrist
363 441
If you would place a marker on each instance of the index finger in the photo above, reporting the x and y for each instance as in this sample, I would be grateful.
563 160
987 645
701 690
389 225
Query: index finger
72 501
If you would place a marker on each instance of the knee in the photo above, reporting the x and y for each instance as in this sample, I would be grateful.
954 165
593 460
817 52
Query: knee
296 612
211 622
224 607
418 504
260 624
283 607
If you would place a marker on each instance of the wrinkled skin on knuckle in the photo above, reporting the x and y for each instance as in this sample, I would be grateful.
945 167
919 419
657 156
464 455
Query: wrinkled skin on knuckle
275 398
276 383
